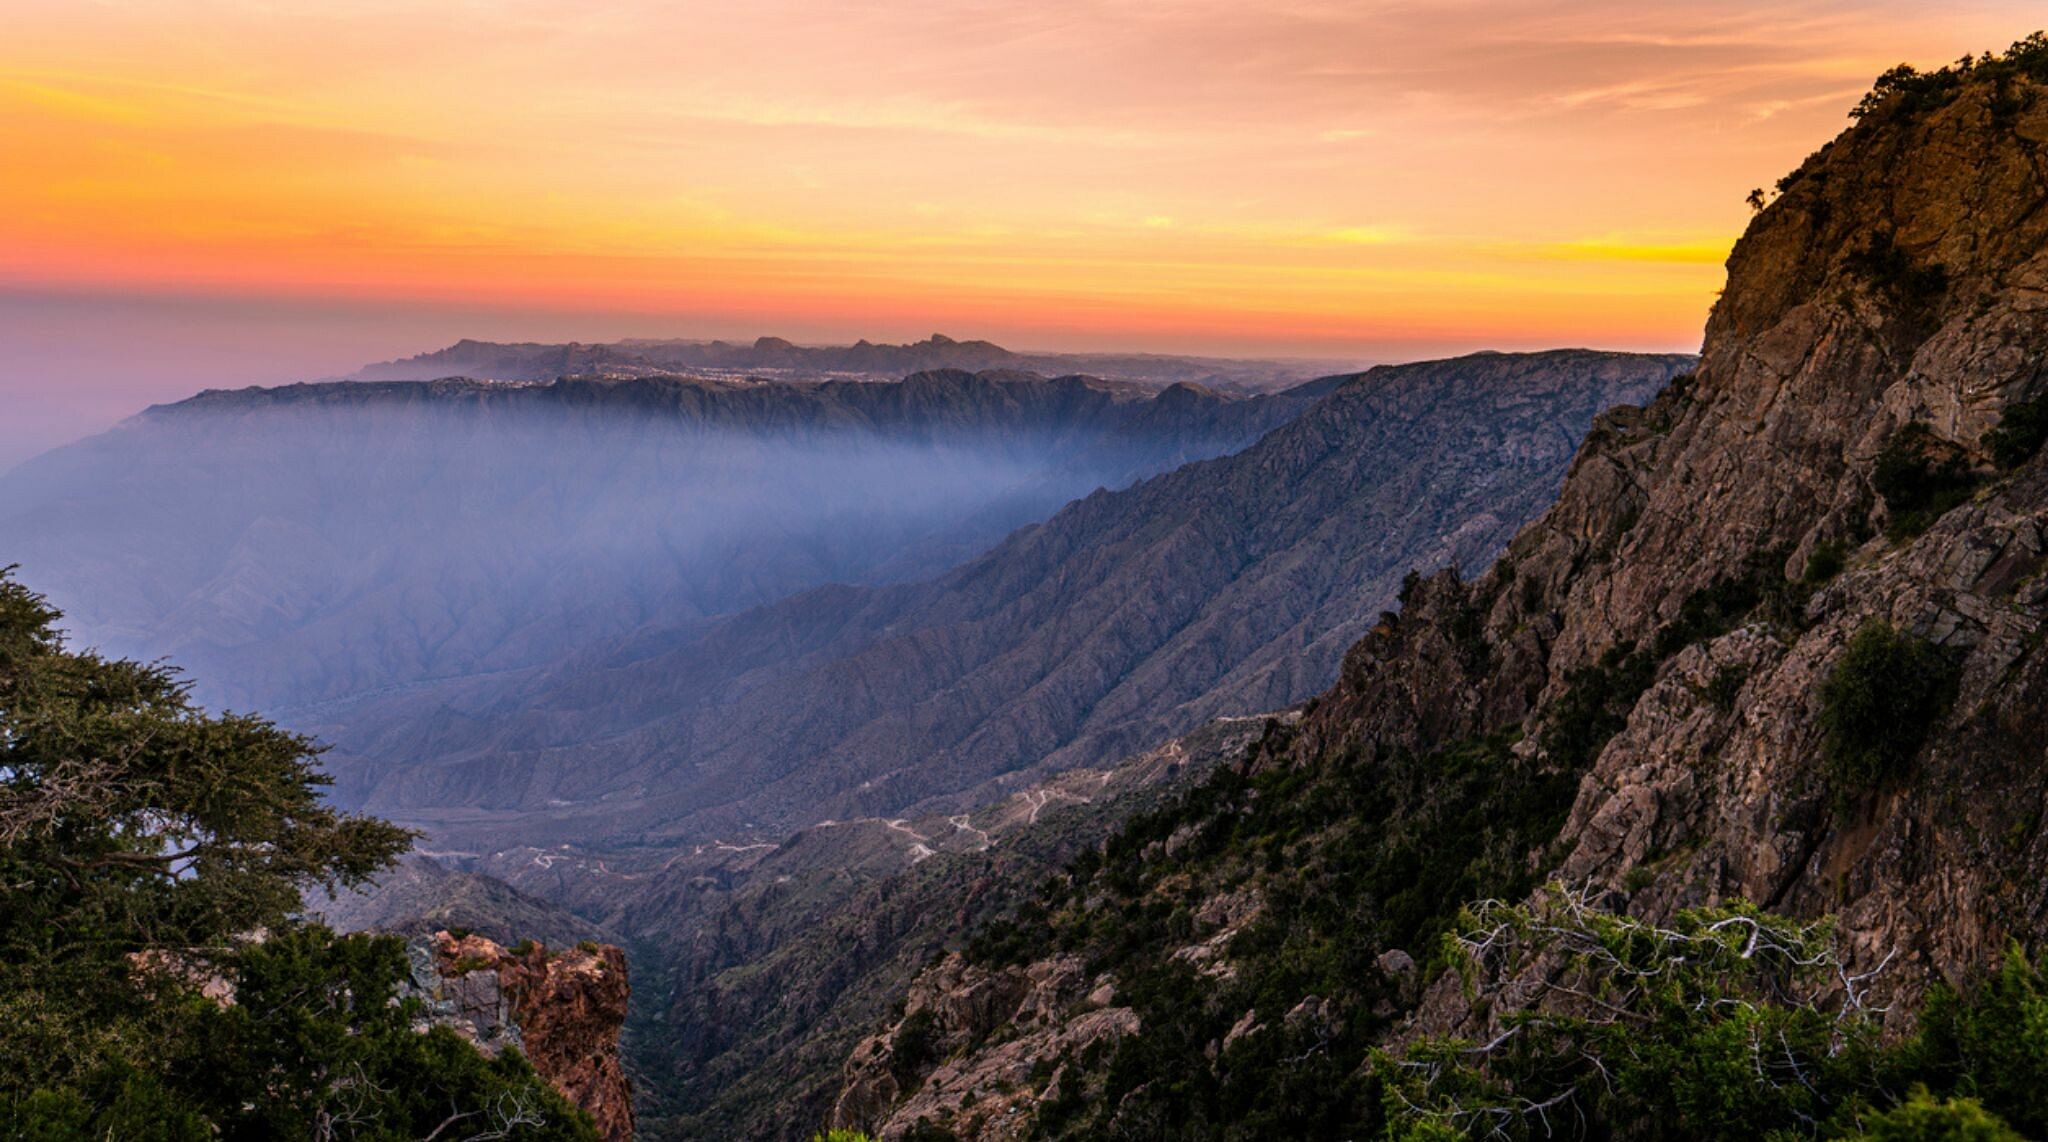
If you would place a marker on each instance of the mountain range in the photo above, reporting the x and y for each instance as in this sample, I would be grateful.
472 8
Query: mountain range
1227 586
774 945
775 358
311 543
500 602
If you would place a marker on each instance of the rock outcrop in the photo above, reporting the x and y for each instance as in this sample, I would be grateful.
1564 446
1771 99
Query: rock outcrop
1636 696
563 1010
1048 1010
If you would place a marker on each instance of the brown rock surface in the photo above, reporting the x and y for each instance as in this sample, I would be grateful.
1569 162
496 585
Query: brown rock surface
1045 1010
567 1007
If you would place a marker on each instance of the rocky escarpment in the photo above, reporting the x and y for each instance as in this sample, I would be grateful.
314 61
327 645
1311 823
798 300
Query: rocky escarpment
562 1010
1779 641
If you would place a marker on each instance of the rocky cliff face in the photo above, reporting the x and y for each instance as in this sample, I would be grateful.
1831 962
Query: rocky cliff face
1050 1010
1898 281
1644 694
562 1010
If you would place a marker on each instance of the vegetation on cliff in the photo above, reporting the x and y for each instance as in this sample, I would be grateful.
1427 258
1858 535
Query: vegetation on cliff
1725 1022
1705 678
153 984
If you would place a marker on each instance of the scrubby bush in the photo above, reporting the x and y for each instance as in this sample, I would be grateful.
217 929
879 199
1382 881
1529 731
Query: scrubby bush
1886 692
1993 1043
1912 287
1924 1118
1904 91
914 1047
2021 431
1826 561
1921 477
1721 1023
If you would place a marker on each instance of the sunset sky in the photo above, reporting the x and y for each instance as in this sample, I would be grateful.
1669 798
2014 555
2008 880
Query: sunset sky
230 191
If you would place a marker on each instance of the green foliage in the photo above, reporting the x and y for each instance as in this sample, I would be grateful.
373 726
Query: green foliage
1905 92
1715 1026
315 1043
1595 705
1993 1045
1726 686
142 844
316 1036
1877 706
840 1136
1724 1023
1920 477
1923 1118
130 819
1826 561
2022 430
914 1047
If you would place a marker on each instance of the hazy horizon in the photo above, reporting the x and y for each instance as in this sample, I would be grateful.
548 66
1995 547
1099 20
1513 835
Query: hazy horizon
214 193
66 380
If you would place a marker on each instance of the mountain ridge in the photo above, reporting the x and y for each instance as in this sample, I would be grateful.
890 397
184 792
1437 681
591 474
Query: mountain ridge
779 358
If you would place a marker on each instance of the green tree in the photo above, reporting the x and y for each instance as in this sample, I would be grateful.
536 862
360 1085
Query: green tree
151 858
1923 1118
131 823
1993 1043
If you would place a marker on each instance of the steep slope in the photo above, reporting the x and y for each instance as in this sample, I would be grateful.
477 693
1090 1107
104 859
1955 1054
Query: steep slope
307 543
777 961
1227 586
1778 641
761 965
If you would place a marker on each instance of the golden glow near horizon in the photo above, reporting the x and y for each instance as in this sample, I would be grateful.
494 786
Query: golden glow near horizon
1198 174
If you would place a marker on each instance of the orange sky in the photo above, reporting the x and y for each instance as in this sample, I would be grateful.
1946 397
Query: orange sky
1364 179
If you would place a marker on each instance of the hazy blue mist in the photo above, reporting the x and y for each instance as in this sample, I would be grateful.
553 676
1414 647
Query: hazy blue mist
302 552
